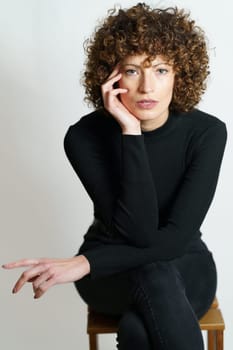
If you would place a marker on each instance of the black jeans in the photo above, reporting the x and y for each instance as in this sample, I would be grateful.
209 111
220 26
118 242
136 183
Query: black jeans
159 303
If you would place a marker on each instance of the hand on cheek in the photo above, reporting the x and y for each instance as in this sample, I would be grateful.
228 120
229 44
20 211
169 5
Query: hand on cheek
112 93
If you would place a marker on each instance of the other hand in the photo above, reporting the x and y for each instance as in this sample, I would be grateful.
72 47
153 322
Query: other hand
44 273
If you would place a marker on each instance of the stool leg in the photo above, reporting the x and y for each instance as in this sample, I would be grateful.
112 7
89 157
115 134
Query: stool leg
219 336
93 342
211 340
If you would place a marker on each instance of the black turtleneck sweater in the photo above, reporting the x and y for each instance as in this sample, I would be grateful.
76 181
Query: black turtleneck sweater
151 192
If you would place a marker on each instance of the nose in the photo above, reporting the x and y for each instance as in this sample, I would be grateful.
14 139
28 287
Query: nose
146 84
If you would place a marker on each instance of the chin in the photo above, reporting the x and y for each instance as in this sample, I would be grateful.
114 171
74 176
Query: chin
145 115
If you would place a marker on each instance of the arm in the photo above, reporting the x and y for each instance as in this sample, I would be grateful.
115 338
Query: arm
121 208
44 273
186 215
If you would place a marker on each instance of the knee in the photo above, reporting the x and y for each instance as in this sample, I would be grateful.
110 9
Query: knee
132 333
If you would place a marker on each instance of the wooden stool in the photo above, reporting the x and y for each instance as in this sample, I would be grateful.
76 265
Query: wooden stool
212 322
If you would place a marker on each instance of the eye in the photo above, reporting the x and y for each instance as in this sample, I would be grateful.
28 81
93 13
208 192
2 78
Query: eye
162 71
131 71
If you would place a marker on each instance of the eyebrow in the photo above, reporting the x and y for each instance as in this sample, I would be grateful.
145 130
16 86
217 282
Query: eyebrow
139 66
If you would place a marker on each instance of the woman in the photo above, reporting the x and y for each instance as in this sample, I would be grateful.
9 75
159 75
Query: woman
149 161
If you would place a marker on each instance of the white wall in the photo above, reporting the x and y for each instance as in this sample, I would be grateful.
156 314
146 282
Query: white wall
44 209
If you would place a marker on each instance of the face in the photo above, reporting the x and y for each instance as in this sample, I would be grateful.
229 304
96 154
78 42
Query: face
150 88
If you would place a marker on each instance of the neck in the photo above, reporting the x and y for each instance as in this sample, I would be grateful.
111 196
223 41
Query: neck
152 124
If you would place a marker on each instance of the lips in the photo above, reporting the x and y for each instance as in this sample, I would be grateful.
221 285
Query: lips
147 103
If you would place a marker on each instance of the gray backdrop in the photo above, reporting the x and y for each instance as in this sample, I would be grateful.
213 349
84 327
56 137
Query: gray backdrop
44 209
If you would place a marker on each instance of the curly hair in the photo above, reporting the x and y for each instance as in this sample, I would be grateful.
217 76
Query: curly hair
142 30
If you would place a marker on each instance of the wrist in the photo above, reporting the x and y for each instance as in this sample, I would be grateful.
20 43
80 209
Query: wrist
131 131
84 264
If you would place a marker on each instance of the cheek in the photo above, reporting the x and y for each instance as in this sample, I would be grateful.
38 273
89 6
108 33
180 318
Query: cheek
125 97
122 84
127 83
168 89
172 82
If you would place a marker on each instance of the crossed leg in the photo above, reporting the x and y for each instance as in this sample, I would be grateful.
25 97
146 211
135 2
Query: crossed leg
160 303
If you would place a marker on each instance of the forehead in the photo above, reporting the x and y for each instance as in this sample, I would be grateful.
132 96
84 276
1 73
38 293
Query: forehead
144 60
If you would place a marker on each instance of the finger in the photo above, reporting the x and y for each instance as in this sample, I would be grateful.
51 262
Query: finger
115 71
28 275
21 263
28 262
42 278
110 82
110 99
44 287
116 92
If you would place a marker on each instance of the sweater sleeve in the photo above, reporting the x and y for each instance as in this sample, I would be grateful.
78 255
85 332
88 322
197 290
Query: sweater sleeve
133 212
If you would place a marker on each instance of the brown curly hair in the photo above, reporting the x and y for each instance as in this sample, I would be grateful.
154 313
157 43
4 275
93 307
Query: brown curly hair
140 29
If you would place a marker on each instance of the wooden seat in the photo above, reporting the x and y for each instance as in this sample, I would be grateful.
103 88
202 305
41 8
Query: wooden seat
212 322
